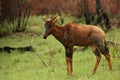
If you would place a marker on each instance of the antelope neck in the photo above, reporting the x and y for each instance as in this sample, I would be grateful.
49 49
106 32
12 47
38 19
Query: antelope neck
58 32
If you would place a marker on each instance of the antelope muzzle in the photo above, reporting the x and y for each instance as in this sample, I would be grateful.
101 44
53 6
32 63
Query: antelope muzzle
45 36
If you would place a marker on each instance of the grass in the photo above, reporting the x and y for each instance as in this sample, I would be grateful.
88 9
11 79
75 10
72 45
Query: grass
28 66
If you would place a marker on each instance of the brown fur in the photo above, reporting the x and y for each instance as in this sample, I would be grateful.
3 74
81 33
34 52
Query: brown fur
79 35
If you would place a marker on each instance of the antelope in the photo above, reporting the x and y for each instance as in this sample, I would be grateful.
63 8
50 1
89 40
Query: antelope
72 34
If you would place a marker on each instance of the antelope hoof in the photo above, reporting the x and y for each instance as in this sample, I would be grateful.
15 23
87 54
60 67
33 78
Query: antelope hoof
90 74
69 74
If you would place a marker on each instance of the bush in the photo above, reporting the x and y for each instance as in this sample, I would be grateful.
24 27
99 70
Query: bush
5 28
14 17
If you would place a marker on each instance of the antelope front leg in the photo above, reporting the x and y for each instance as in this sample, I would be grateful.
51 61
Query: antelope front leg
69 65
69 54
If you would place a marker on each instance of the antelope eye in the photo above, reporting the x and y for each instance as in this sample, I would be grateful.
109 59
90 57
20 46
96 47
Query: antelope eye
47 25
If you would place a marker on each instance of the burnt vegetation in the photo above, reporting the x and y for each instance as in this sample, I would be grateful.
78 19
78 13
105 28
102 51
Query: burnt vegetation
94 11
9 49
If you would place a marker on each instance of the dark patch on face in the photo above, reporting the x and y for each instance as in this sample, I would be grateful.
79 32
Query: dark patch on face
48 24
47 32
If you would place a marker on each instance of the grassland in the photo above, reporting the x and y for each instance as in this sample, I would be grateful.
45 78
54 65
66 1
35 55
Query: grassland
28 65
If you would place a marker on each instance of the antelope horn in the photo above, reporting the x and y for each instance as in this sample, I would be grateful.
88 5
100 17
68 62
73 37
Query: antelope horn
54 17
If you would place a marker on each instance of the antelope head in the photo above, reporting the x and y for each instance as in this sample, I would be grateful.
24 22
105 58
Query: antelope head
49 24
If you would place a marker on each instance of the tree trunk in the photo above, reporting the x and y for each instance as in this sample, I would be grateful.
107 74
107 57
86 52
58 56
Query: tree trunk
102 16
89 17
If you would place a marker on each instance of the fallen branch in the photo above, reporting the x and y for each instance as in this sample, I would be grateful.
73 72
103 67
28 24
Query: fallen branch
113 43
43 62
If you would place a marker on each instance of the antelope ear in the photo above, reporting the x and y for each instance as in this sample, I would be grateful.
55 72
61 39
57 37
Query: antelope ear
44 18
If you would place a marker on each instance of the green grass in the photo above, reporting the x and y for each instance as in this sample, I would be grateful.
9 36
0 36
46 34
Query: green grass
28 66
